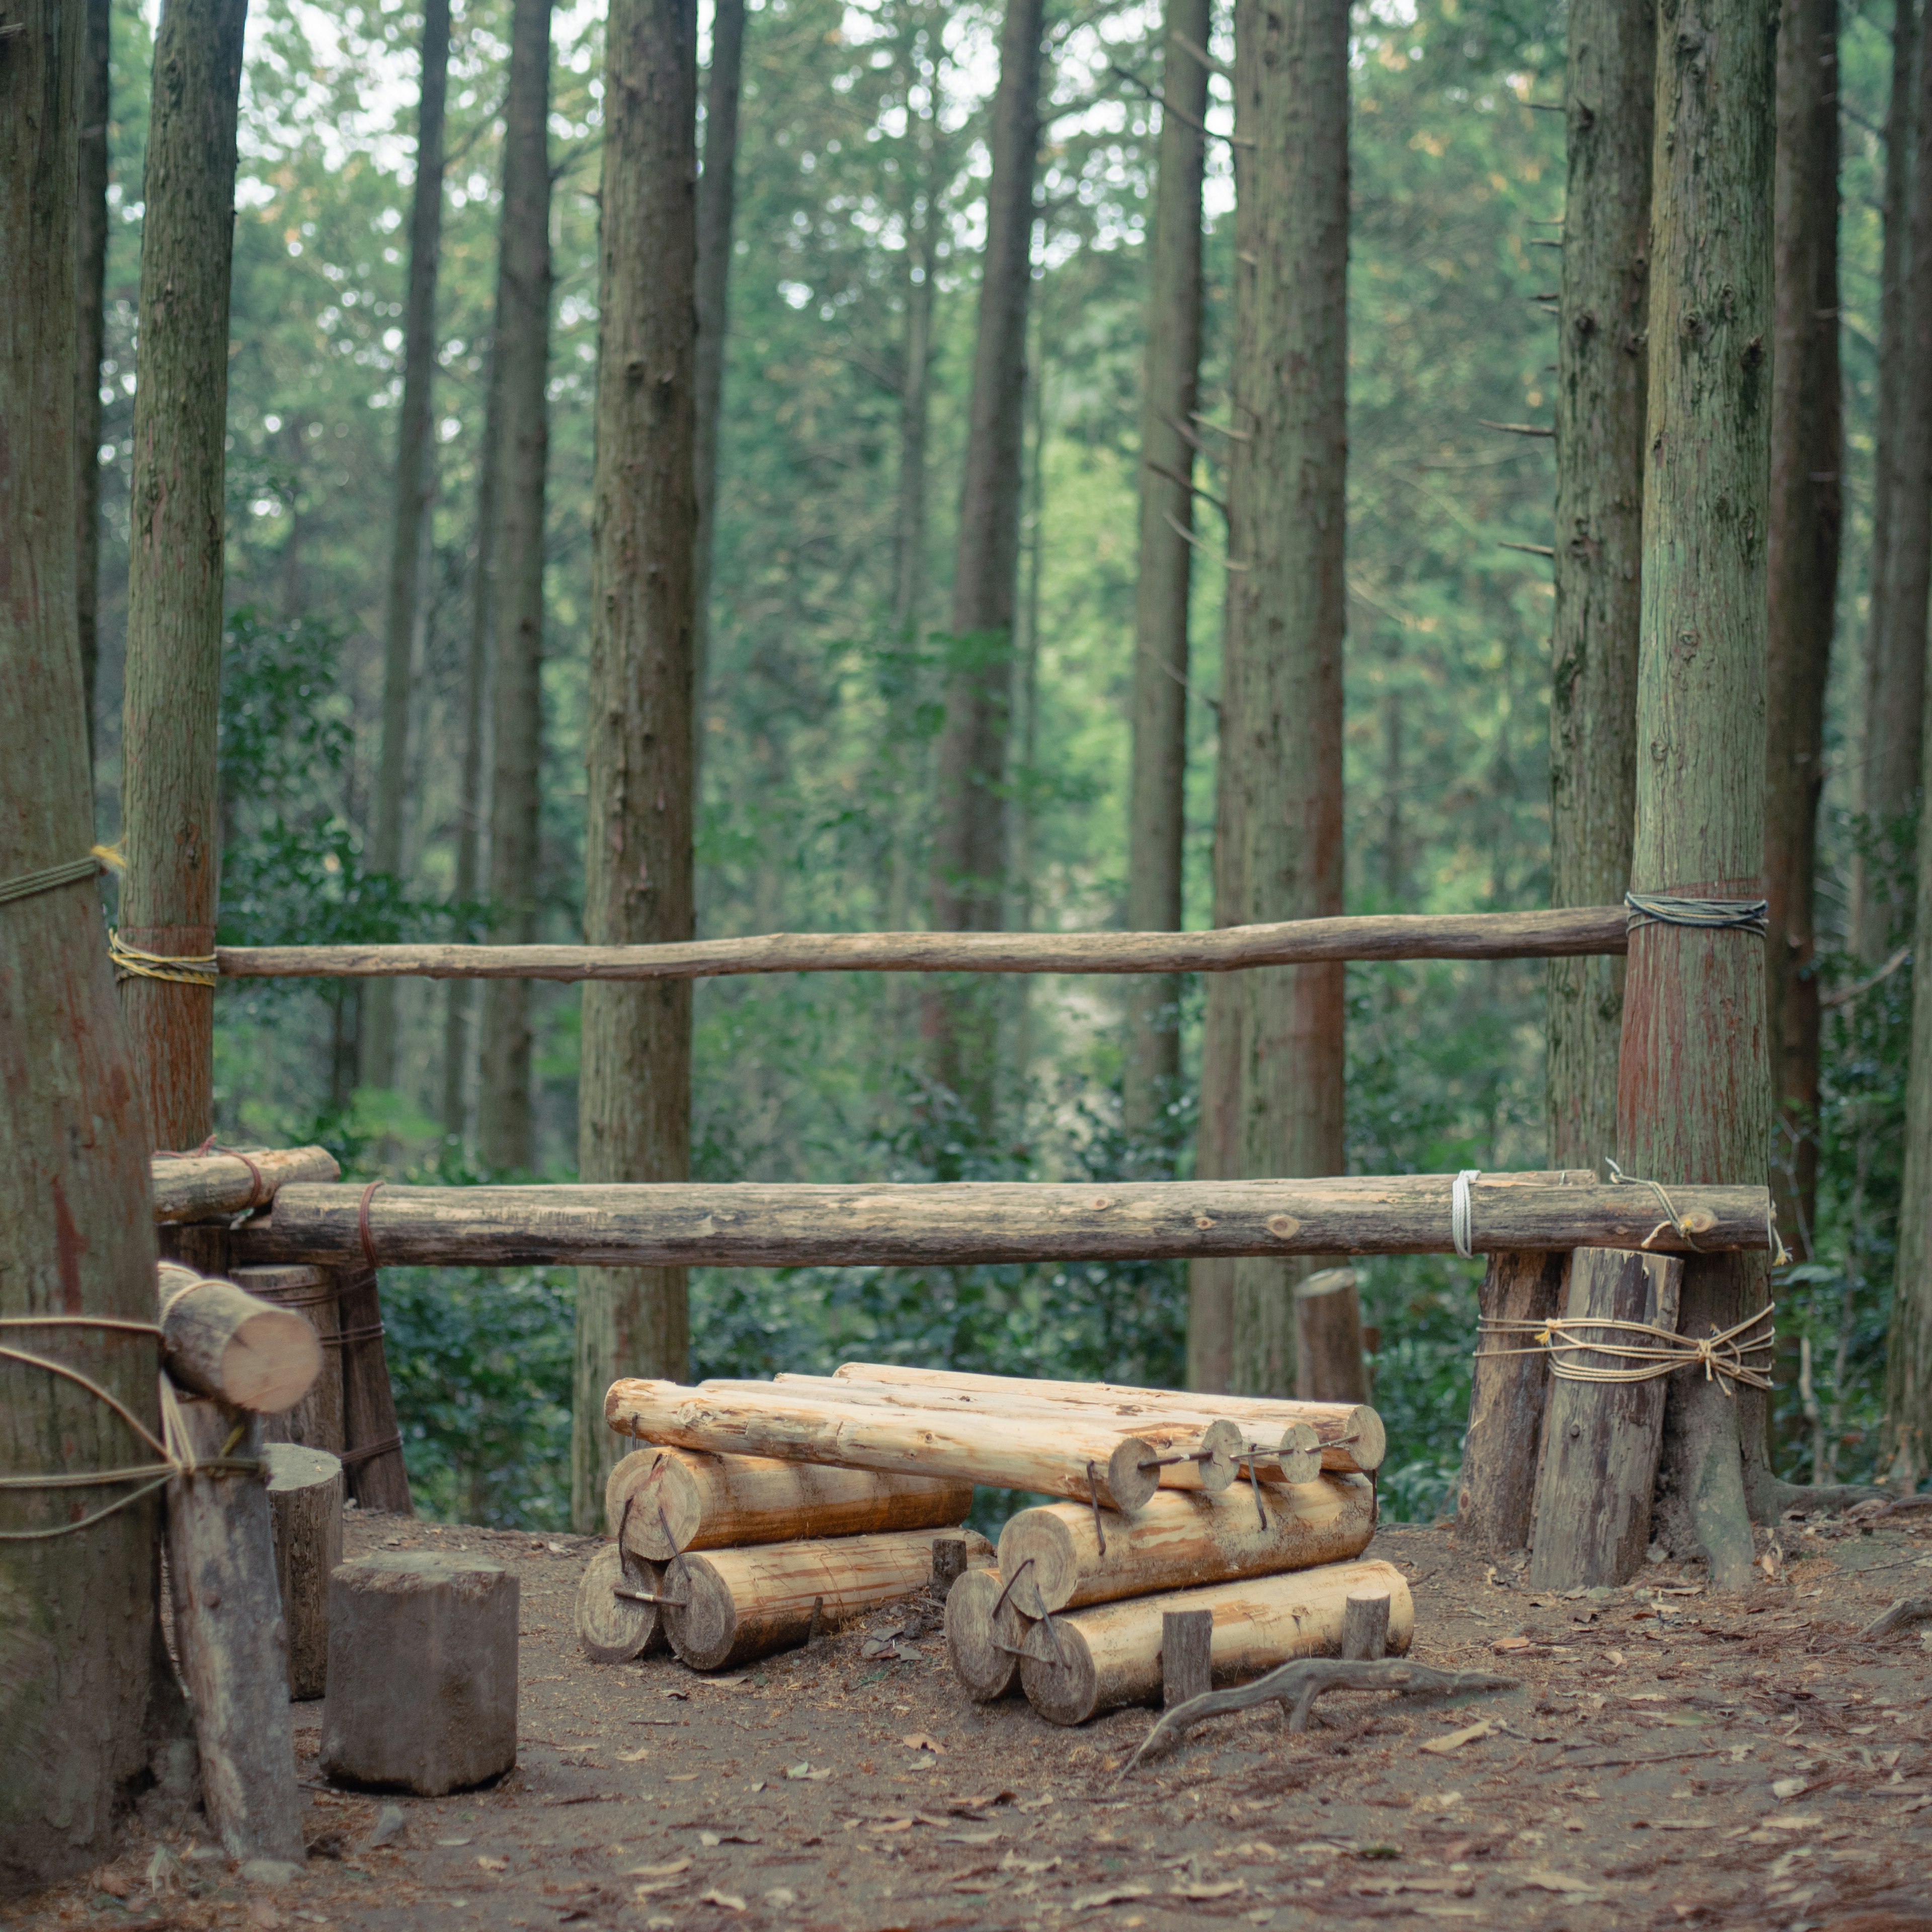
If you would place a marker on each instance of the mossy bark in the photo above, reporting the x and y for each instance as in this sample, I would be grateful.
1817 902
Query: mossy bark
634 1090
504 1126
1602 357
1171 370
170 809
1693 1098
77 1228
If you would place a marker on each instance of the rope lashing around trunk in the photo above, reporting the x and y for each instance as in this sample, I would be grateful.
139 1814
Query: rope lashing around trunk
1713 915
1652 1351
25 885
176 1453
192 969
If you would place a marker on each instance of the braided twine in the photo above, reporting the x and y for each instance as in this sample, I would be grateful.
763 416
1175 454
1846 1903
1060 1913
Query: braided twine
1649 1352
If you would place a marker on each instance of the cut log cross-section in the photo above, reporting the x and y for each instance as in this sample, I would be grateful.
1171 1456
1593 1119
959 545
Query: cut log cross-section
619 1616
1110 1655
1075 1457
987 1669
216 1340
661 1500
1177 1541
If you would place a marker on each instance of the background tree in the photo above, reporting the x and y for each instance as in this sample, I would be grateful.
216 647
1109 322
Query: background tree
76 1230
97 107
970 846
522 367
635 1087
415 481
169 800
1601 363
1170 380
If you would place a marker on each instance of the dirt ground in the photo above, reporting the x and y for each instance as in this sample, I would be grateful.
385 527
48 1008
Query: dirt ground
1670 1758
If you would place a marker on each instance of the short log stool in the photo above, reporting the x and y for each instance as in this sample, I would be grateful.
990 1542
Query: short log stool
422 1672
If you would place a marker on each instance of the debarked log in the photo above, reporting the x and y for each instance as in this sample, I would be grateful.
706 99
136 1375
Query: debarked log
1097 1660
207 1186
216 1340
1562 933
1073 1457
1053 1553
661 1500
750 1225
731 1606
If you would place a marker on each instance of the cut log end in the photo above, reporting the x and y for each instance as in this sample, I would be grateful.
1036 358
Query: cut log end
271 1361
1064 1689
1127 1479
649 1492
614 1629
985 1671
704 1628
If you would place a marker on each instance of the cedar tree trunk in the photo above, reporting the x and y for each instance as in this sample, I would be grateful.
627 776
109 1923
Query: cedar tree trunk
634 1095
91 233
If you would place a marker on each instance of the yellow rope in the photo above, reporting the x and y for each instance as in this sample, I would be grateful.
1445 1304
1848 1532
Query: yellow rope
1660 1352
193 969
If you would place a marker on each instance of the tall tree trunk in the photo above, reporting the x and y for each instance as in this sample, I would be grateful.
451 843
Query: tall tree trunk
97 107
1170 375
1807 439
1287 735
1211 1284
1601 361
505 1132
475 738
717 189
415 480
1890 761
970 843
915 408
634 1093
171 699
1693 1096
76 1234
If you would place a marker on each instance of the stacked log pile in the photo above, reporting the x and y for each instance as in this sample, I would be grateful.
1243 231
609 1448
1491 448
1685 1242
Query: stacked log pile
761 1512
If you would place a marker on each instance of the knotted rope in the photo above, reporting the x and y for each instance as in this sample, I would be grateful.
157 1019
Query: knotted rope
1713 915
191 969
1652 1351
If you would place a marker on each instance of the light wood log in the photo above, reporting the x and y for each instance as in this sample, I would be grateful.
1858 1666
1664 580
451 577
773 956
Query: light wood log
316 1421
1329 1363
1187 1655
372 1460
1073 1458
1290 1455
988 1669
231 1638
1365 1622
751 1225
1352 1437
1600 1440
723 1502
1177 1541
1569 932
1110 1655
306 1492
734 1605
216 1340
206 1187
1496 1496
614 1624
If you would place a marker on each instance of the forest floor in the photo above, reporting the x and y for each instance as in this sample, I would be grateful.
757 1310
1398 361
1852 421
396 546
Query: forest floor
1671 1759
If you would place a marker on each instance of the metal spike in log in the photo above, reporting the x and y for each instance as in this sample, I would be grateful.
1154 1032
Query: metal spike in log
207 1186
620 1607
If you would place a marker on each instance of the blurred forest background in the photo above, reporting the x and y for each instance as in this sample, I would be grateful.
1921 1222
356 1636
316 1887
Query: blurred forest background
861 155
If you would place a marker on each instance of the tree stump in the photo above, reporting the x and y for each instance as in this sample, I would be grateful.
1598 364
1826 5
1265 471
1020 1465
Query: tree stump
1601 1439
1187 1655
1365 1627
316 1421
1329 1364
305 1498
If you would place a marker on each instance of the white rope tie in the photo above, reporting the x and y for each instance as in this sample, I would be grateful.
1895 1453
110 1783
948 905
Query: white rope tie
1459 1212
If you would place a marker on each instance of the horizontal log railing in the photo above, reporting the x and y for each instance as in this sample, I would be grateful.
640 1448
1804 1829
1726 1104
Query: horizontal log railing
1561 933
748 1225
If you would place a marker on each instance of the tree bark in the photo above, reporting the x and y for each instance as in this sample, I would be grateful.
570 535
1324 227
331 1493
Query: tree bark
717 189
969 851
77 1235
1901 551
171 700
634 1090
1286 737
505 1131
1807 442
1170 378
1693 1092
415 483
97 107
473 809
1602 358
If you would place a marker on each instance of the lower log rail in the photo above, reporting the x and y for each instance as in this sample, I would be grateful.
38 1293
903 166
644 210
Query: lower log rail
748 1225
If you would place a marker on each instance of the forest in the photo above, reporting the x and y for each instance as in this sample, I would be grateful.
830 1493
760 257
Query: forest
976 512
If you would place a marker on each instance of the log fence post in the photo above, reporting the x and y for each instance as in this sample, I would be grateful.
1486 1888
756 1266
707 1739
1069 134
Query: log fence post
372 1460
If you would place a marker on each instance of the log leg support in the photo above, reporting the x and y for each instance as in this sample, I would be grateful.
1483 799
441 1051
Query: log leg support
372 1461
1496 1497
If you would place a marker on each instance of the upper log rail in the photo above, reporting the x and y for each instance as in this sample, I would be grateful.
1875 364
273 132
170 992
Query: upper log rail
1561 933
748 1225
206 1187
